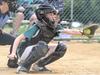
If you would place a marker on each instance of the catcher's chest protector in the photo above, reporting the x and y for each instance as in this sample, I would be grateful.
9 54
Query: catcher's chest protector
46 34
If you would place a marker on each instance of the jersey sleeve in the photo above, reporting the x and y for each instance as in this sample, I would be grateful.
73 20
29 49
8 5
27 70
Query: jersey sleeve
32 32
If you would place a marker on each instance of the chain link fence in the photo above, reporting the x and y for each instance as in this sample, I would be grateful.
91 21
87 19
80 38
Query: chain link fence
83 11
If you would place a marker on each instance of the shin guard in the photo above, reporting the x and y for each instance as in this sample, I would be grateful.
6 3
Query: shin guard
59 52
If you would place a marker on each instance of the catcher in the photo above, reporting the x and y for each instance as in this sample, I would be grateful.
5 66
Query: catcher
32 46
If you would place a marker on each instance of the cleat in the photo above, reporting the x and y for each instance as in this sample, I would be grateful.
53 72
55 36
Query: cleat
40 69
21 69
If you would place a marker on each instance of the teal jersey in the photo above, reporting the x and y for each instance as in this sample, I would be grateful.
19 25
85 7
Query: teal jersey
32 32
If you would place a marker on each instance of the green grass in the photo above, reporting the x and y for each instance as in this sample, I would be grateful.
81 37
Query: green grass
22 28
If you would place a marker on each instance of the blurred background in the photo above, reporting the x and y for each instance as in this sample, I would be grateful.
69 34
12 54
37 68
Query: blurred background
77 14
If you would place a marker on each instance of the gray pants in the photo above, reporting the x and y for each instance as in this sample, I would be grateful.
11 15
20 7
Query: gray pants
57 54
32 53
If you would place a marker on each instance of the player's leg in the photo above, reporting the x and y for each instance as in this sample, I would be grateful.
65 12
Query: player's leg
59 52
31 55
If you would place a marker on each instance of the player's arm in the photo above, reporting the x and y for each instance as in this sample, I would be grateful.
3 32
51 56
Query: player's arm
71 31
20 38
15 46
88 31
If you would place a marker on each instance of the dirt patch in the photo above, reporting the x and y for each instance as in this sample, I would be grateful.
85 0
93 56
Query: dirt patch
80 59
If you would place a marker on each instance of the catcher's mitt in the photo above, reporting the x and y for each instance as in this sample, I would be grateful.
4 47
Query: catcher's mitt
12 63
89 31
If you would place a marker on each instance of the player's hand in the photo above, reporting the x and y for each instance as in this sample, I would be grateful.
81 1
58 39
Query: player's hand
12 56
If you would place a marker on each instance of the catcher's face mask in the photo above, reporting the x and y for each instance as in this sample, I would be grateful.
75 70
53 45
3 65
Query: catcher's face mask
53 17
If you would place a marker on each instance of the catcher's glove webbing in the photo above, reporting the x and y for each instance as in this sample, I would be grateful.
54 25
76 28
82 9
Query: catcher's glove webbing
89 31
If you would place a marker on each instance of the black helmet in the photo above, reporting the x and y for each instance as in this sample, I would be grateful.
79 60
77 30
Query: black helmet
41 11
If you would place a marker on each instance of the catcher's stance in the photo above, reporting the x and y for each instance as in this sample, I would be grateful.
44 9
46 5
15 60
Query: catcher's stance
34 47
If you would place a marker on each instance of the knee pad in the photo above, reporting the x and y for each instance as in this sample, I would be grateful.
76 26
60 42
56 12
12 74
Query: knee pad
36 52
60 50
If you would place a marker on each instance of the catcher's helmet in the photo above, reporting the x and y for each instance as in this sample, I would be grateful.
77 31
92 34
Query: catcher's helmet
41 12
